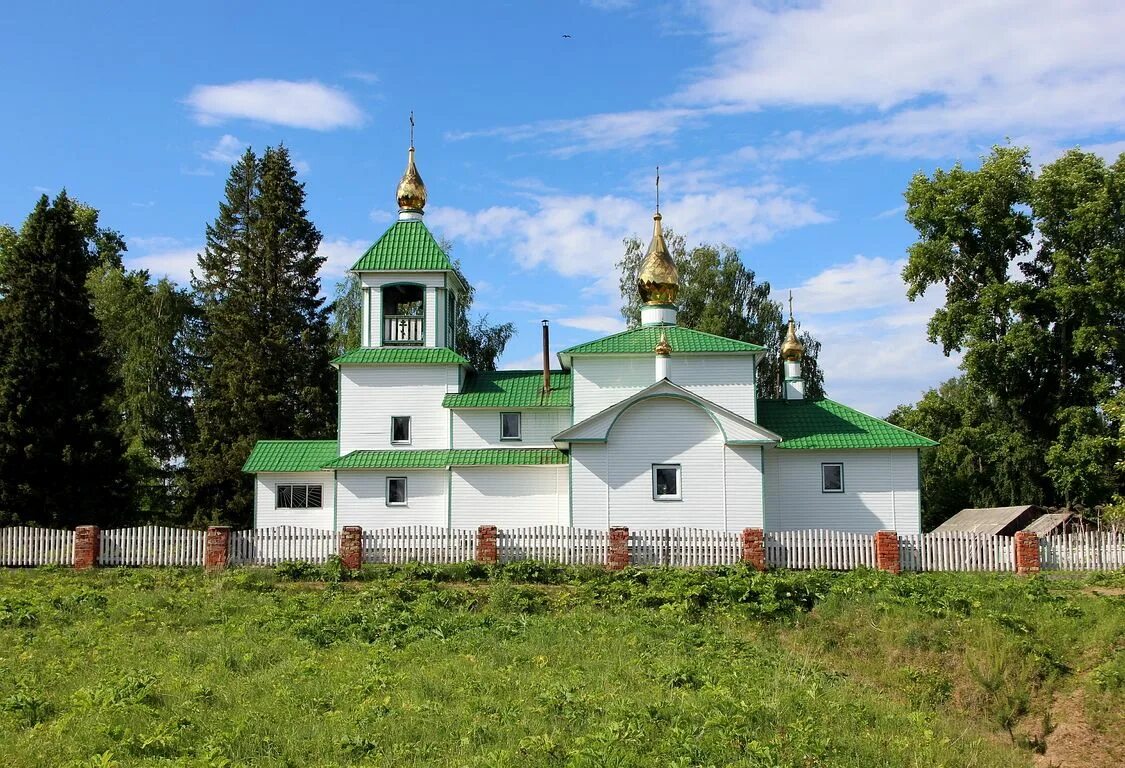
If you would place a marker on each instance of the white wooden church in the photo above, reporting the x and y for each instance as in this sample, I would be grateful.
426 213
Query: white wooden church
659 426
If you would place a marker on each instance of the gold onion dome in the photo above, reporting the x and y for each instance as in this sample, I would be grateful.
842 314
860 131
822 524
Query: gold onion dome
792 349
657 279
411 192
663 348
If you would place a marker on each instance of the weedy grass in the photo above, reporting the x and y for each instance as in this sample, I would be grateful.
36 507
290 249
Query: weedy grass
538 665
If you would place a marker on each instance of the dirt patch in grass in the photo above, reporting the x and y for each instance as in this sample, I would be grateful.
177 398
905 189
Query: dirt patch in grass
1075 743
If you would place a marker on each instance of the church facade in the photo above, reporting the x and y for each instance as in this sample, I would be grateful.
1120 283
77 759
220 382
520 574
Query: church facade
658 426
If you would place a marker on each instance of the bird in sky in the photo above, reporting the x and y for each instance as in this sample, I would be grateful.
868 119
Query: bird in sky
568 37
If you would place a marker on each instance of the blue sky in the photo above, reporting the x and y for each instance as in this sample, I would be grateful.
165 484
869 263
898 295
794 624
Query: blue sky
788 132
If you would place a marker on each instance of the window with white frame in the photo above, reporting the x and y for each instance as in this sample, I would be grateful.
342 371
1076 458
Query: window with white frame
396 491
400 429
298 496
666 482
832 477
511 426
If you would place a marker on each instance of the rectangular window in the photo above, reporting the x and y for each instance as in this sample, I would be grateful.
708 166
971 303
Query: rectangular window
400 429
299 496
396 491
510 426
666 482
832 478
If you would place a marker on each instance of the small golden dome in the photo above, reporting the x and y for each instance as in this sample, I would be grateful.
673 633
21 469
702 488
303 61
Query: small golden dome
411 191
792 349
663 348
657 279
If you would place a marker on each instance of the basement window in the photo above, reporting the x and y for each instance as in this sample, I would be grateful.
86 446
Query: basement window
400 430
832 478
510 426
298 496
396 491
666 482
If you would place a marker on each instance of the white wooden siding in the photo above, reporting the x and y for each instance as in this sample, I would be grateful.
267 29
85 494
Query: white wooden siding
743 467
589 485
266 513
370 395
880 491
509 497
481 428
601 381
361 499
666 431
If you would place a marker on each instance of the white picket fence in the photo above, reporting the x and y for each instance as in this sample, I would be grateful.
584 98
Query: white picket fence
36 546
554 544
270 546
679 547
1089 551
956 551
802 550
419 543
150 545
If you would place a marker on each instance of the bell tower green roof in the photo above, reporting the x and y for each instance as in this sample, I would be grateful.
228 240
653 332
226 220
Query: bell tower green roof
407 246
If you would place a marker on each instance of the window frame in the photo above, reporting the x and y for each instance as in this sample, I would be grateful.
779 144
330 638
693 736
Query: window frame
409 430
277 503
823 485
679 494
519 423
405 491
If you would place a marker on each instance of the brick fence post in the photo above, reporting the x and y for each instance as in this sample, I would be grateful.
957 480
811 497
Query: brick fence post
1026 552
754 548
487 551
886 552
216 548
618 555
351 547
87 546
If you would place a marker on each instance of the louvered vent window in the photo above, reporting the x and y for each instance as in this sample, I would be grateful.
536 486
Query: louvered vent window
299 496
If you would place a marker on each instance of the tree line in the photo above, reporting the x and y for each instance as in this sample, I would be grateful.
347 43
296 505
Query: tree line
127 400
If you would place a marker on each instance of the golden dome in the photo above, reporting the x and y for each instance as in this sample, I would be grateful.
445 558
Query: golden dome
657 279
663 348
411 190
792 348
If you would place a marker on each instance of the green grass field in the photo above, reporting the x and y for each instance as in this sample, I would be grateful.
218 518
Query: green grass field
529 665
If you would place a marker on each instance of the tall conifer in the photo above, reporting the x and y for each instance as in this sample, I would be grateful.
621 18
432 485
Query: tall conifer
60 454
262 344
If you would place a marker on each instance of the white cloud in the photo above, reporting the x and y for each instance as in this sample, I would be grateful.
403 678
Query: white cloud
364 77
339 254
163 257
581 235
862 283
601 323
529 363
305 104
226 150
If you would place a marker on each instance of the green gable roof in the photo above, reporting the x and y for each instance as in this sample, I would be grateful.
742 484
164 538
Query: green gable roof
641 341
406 247
290 455
439 459
401 356
512 389
812 424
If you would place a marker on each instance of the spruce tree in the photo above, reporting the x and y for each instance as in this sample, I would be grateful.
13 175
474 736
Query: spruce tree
60 454
262 343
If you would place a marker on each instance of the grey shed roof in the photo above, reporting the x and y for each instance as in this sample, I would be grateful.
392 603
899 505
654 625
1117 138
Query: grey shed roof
991 520
1048 523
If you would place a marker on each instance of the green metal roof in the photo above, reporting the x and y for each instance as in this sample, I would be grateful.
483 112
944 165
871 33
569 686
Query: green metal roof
512 389
439 459
406 247
810 424
642 341
401 355
290 455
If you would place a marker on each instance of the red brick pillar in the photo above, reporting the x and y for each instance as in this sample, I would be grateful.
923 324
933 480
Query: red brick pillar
487 551
351 547
754 548
886 552
1027 552
618 555
216 548
87 546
